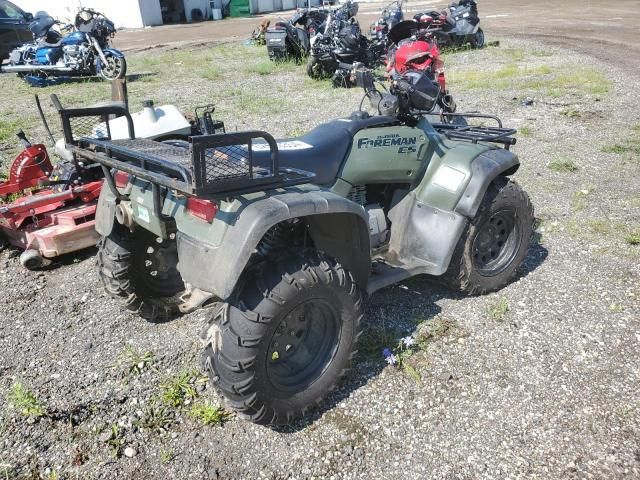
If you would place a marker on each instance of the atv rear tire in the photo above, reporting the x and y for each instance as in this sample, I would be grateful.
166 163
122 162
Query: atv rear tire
141 270
496 241
285 338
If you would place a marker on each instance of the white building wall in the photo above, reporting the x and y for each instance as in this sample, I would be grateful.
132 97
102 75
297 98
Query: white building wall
124 13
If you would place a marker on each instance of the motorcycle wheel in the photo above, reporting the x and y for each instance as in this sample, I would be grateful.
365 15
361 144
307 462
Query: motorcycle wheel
315 69
115 68
478 39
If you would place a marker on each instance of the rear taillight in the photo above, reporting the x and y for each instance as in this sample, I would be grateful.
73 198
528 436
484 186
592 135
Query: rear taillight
442 82
121 179
204 209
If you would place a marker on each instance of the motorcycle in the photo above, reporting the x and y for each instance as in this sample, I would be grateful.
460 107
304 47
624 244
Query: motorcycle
84 52
391 15
456 26
292 39
413 56
343 43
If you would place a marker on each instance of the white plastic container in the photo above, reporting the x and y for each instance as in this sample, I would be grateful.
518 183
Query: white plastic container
152 122
217 14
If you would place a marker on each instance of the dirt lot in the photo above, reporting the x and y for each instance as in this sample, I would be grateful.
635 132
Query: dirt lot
539 380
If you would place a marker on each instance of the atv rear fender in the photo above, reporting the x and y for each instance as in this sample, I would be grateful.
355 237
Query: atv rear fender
214 263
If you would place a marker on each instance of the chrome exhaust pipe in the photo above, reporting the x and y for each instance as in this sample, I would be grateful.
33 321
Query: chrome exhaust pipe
34 68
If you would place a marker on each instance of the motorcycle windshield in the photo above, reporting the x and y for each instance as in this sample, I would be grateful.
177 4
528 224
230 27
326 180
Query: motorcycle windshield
403 30
41 25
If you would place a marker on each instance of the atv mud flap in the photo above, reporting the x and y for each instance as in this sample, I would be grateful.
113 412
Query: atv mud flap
106 212
423 237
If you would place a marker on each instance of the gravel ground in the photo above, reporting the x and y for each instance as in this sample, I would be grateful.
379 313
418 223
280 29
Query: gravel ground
544 387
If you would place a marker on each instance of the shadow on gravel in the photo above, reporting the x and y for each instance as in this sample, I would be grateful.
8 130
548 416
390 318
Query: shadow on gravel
134 77
536 257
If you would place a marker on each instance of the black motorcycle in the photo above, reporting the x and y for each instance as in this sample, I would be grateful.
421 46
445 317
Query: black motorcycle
391 15
291 39
456 26
343 43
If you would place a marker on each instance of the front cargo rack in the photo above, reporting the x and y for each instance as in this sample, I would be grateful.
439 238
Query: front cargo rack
217 166
460 130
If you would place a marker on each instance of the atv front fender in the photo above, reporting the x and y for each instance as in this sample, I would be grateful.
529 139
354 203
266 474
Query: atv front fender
336 226
485 168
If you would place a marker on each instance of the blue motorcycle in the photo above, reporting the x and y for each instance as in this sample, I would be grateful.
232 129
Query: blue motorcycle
84 52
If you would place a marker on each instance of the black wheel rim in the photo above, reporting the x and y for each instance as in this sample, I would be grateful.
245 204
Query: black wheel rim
160 261
303 346
496 243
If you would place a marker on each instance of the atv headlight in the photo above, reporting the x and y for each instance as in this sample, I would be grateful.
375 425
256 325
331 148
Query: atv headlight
449 178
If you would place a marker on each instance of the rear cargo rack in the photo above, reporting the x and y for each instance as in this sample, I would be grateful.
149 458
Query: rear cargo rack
214 166
476 134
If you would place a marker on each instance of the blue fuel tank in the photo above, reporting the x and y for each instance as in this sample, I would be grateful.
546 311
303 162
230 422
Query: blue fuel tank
75 38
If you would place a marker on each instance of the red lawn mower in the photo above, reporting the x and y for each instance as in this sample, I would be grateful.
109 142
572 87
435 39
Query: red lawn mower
50 210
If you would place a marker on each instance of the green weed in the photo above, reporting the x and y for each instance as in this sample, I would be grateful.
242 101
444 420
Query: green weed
166 456
181 389
570 113
131 362
498 309
25 401
525 130
116 441
632 238
208 414
156 417
563 165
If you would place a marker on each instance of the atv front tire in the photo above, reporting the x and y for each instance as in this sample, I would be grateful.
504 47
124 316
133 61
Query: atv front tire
496 241
285 338
315 69
142 270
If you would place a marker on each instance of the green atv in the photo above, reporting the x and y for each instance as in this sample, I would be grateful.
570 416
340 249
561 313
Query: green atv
289 237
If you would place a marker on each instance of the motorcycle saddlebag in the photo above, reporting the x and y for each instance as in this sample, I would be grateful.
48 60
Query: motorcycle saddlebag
276 39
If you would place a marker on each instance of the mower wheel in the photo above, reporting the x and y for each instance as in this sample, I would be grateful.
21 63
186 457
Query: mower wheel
496 241
141 268
285 338
32 260
315 69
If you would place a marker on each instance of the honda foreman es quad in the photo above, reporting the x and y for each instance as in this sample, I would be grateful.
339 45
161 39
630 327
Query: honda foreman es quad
290 236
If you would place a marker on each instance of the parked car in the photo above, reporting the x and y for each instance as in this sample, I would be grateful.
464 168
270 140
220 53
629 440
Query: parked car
14 27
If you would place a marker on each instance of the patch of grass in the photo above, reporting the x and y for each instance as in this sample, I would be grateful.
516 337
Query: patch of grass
131 362
562 165
579 199
631 144
498 309
211 72
25 401
116 441
616 308
156 417
570 113
8 130
268 67
525 130
166 456
180 389
207 414
600 227
632 238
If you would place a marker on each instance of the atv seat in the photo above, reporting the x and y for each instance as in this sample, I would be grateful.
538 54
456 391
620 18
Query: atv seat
322 150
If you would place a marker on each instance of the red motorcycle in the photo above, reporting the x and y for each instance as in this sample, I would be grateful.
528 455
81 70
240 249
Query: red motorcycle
415 55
